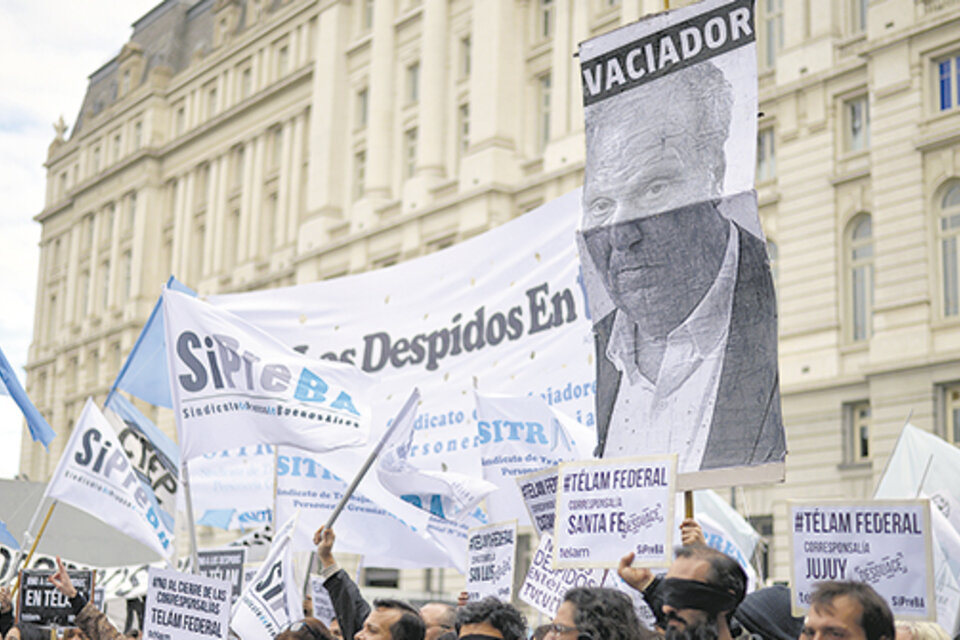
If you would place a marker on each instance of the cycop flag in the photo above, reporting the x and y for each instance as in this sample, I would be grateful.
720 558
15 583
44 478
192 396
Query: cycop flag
233 384
95 475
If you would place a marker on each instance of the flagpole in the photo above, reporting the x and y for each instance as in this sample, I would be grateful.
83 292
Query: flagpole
33 547
185 484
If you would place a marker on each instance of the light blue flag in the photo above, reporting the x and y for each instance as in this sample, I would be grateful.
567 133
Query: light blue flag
144 373
6 538
219 518
40 431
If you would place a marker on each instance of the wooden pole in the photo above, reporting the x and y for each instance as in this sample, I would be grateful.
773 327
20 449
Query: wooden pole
687 504
33 547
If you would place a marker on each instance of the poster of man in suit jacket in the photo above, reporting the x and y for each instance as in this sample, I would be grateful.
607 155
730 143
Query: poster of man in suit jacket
674 258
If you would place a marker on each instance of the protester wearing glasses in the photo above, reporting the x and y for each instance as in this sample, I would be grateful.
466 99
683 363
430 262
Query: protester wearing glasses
593 613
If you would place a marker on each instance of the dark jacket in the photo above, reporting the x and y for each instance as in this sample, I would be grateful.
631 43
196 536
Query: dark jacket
349 605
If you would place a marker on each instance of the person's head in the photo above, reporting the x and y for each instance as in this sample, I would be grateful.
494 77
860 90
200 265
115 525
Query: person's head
849 611
74 633
700 593
490 618
306 629
766 612
392 620
335 629
594 612
648 167
920 630
439 618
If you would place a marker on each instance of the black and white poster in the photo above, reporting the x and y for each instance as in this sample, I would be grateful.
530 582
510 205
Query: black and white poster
674 259
40 603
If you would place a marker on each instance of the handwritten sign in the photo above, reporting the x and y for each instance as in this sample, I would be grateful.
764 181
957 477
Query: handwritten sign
224 564
606 508
490 560
883 543
182 606
539 492
322 605
40 603
544 588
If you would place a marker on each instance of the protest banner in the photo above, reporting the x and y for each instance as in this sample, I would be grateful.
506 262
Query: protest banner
522 434
322 605
885 544
271 600
40 603
224 564
544 587
491 551
539 493
183 606
233 489
95 475
606 508
234 384
672 250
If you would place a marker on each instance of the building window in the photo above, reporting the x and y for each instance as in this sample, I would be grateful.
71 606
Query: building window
771 32
127 274
276 147
131 210
52 318
377 577
366 18
545 19
96 159
857 432
463 129
117 146
465 61
858 15
543 111
859 243
856 123
766 155
108 221
359 173
410 152
84 294
283 60
948 81
237 177
105 292
88 231
949 231
363 107
951 413
180 120
246 83
211 102
413 83
137 135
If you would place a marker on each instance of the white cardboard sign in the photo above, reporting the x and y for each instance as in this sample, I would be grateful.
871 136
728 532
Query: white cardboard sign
544 588
185 606
884 543
539 493
607 508
322 604
490 561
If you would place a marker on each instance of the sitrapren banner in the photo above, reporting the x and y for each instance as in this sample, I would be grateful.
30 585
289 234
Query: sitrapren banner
883 543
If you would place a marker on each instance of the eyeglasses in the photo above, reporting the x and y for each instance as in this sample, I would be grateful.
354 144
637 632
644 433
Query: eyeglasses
302 624
555 628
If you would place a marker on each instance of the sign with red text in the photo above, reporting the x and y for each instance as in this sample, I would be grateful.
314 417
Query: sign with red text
607 508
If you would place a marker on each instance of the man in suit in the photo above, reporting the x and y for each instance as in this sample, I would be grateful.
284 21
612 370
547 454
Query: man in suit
686 362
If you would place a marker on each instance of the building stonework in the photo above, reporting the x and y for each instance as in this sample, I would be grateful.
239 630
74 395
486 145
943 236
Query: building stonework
243 144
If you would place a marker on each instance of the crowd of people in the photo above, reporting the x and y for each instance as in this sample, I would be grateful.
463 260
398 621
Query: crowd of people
703 596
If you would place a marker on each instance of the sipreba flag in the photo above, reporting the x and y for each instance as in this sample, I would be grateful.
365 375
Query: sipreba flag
233 384
95 475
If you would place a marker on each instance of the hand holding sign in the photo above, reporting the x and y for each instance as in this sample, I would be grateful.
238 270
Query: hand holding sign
61 580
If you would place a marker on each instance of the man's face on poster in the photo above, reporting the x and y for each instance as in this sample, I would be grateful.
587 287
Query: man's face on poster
650 158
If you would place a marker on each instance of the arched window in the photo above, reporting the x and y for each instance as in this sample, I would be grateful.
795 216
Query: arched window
949 231
860 275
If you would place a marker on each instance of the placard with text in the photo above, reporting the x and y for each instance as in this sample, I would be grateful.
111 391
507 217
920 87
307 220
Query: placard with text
607 508
883 543
491 551
182 606
539 492
39 602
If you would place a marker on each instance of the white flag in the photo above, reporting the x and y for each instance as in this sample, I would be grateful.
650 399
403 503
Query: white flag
445 494
519 435
95 475
272 599
233 384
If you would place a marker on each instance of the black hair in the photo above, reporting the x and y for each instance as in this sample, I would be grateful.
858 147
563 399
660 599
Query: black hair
410 625
725 572
876 619
604 614
503 617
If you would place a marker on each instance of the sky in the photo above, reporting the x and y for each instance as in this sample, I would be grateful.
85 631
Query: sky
48 49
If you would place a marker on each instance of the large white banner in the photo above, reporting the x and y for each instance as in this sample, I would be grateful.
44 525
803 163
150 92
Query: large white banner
233 384
885 544
607 508
182 606
95 475
674 259
520 435
503 312
232 489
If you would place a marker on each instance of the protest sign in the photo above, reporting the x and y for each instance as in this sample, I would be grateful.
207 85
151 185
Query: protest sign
885 544
606 508
232 383
40 603
241 478
544 587
95 475
491 551
539 493
521 434
224 564
674 259
322 605
183 606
